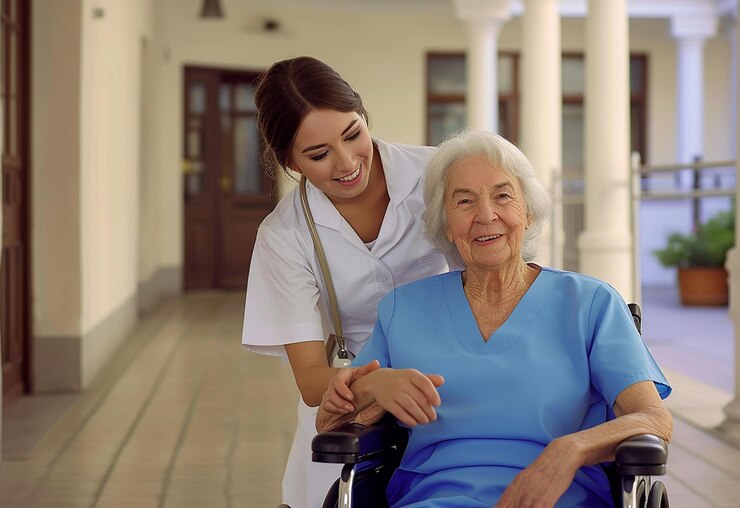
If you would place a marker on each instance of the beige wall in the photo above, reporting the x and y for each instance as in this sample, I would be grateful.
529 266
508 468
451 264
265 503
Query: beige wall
87 60
55 143
383 57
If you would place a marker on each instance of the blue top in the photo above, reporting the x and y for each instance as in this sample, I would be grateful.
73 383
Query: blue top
554 367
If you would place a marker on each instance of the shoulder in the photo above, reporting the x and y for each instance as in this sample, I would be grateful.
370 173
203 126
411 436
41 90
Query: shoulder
284 226
414 155
418 292
578 284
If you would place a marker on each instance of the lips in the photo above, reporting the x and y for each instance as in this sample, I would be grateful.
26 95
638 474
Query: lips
487 238
351 178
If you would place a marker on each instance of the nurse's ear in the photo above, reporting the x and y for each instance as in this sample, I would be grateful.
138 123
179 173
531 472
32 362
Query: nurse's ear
293 167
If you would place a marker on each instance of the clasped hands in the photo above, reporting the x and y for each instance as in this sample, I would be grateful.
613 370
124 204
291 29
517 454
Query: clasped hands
407 394
412 396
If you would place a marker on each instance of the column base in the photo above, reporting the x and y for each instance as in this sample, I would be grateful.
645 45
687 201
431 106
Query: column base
731 426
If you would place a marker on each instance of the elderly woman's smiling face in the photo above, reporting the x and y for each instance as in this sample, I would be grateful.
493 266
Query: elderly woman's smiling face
486 213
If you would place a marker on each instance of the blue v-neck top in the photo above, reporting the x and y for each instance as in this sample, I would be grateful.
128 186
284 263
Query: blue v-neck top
554 367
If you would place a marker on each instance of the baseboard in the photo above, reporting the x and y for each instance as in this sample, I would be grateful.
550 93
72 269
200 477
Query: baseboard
164 282
69 364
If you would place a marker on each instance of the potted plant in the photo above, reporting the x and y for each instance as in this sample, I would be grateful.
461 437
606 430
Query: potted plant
700 258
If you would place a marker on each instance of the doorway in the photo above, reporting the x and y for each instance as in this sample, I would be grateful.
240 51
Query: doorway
14 272
226 189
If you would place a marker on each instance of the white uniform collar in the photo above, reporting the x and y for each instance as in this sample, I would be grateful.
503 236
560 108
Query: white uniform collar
401 176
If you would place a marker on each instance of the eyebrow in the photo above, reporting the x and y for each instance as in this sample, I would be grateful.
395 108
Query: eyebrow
465 190
314 147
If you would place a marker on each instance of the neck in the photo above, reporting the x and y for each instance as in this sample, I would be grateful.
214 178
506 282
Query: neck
500 285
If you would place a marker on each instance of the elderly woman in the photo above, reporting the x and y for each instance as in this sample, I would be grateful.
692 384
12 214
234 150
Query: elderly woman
517 380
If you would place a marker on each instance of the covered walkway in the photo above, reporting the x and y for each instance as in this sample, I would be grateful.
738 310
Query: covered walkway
183 417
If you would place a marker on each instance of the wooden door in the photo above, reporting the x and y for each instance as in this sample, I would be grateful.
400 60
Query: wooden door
14 272
226 190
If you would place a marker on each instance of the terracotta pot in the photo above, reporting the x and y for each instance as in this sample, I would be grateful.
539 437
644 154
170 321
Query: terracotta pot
701 285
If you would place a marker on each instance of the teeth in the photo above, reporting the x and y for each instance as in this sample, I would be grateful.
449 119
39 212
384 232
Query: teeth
486 238
351 177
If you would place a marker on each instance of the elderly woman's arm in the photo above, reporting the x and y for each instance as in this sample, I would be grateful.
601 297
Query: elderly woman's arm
639 410
406 393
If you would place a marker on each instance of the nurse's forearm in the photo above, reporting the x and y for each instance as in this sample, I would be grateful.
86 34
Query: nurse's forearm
310 370
312 383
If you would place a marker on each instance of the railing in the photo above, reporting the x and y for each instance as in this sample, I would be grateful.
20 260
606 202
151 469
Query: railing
692 183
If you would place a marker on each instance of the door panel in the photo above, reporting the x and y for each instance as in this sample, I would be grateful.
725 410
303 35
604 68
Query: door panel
14 284
227 191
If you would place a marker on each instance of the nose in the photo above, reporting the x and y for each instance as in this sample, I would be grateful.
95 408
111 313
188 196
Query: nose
345 161
486 212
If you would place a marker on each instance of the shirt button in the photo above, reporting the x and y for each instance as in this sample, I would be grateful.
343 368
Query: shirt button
384 279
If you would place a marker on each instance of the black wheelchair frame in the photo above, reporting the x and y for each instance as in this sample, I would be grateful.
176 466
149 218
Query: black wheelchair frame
371 454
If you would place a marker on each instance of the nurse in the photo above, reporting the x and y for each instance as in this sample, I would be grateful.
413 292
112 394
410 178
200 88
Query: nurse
365 196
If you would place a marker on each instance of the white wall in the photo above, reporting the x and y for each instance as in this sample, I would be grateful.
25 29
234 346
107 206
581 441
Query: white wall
55 144
86 158
110 158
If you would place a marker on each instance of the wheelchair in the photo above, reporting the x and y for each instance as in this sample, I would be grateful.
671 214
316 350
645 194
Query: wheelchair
371 454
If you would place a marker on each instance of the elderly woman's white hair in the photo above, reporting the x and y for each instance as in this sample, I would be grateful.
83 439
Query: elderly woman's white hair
502 154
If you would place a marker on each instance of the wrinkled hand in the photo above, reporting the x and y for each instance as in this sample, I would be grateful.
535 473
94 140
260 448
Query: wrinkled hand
542 483
406 393
338 397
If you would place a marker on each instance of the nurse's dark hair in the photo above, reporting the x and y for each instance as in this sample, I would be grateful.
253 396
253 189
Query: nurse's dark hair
288 91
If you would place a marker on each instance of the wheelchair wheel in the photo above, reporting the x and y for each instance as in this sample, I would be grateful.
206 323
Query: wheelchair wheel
332 497
658 497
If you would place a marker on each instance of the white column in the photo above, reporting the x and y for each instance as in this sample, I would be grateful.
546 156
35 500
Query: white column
484 19
606 243
541 132
733 102
691 34
731 425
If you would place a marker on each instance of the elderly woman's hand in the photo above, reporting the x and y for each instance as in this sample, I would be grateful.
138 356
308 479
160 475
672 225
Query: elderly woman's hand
406 393
541 484
338 396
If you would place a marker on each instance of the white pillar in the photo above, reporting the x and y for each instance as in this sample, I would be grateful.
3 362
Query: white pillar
731 425
691 34
484 19
541 133
606 243
733 87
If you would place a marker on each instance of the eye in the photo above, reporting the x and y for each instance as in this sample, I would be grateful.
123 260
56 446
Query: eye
352 137
319 157
503 196
464 203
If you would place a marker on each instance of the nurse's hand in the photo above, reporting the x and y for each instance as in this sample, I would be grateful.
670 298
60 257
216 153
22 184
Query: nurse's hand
408 394
545 480
338 396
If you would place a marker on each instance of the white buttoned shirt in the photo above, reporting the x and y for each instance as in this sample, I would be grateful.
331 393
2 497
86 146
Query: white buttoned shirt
286 296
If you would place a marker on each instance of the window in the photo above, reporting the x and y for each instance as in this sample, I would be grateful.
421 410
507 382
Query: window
446 95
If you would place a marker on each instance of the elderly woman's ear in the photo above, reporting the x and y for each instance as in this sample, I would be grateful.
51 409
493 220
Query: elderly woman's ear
447 233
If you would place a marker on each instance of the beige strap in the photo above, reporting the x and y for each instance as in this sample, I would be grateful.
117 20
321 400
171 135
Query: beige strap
325 273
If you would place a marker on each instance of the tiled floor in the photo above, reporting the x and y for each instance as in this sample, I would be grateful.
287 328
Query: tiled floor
184 417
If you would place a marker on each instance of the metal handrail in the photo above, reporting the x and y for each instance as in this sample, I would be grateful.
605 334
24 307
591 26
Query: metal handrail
672 168
638 171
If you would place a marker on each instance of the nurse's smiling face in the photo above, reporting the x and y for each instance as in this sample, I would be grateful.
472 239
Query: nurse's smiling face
334 151
486 213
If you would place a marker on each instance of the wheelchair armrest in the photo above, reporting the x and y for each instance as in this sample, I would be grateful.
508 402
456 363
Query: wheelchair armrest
352 443
645 454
